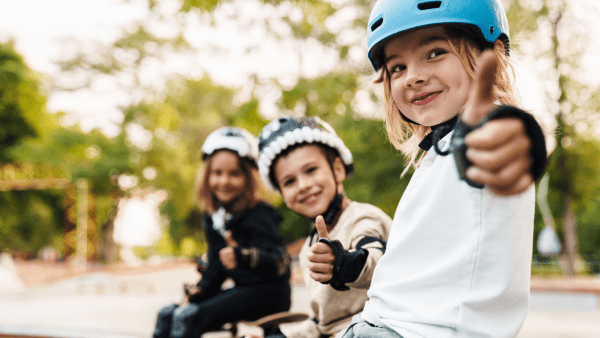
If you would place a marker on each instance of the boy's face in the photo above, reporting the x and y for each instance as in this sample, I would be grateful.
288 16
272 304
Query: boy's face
306 180
429 84
226 179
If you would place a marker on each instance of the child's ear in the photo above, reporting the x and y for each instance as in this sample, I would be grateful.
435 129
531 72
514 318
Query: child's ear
339 170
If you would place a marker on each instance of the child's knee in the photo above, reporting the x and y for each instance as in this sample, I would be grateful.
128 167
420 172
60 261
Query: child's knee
185 312
167 311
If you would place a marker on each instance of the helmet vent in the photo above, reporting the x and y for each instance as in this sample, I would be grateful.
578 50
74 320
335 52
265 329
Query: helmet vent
429 5
376 24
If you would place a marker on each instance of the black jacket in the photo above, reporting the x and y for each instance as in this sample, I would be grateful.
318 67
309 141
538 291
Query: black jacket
256 231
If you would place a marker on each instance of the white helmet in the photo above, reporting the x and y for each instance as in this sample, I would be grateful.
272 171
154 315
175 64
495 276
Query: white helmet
231 138
285 132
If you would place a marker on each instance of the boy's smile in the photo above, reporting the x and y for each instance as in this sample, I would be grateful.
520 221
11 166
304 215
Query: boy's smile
306 180
428 82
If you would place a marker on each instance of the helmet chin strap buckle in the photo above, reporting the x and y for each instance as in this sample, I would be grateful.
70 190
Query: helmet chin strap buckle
333 209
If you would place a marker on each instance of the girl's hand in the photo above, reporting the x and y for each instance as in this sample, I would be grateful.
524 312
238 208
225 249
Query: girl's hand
500 149
227 254
320 257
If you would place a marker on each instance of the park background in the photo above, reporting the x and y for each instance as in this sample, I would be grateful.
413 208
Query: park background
117 103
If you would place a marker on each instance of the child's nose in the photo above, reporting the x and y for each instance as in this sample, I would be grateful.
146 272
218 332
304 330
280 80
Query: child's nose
415 76
303 183
225 179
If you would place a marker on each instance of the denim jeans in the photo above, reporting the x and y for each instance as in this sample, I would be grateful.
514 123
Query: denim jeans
360 328
238 303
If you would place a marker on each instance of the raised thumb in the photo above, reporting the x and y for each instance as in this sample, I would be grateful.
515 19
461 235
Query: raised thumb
321 227
229 239
481 98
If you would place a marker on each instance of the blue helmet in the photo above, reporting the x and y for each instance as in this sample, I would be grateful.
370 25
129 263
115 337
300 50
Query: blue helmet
390 17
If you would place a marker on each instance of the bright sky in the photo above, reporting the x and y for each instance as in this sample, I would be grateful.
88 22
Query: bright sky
39 26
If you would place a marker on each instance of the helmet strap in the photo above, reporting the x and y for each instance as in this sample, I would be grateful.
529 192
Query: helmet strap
407 119
333 210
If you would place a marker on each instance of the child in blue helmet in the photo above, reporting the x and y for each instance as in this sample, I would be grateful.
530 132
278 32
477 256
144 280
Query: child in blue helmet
306 162
458 258
244 244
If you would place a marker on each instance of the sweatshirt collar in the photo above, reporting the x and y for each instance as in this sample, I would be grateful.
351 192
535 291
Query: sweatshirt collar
444 129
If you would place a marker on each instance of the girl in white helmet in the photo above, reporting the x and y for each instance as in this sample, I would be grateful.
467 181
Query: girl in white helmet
244 244
307 163
458 259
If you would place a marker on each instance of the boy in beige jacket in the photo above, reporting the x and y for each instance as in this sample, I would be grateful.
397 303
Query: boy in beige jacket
307 163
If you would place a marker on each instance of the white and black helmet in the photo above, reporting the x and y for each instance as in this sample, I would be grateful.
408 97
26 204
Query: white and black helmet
234 139
285 132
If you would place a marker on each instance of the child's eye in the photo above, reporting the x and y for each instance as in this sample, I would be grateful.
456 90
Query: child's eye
311 169
436 53
289 182
396 68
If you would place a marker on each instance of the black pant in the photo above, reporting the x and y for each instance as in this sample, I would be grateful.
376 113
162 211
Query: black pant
238 303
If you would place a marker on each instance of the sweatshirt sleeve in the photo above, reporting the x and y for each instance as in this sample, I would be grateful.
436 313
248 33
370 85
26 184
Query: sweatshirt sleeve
370 235
261 248
214 276
353 268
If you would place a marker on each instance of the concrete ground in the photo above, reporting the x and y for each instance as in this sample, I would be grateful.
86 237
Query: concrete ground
124 303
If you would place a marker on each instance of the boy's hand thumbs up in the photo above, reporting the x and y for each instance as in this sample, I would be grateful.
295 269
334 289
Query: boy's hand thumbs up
481 99
321 258
322 227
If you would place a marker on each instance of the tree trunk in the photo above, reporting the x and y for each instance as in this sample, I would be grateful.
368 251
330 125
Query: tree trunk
570 229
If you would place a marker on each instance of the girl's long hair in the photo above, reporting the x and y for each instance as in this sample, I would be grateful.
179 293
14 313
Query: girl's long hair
406 136
253 191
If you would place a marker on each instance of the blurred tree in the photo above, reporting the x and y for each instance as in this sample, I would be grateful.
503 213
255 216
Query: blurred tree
574 166
588 224
28 219
21 101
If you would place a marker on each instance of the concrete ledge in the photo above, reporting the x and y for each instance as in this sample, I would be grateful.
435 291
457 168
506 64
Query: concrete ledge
30 332
573 285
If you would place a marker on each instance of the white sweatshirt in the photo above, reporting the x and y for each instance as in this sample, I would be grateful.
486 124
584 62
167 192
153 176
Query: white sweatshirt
458 259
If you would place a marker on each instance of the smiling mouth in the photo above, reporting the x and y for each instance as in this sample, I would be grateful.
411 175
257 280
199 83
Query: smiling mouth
311 198
425 98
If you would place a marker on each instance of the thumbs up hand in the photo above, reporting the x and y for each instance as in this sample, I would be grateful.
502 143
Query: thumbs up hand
499 150
321 258
227 254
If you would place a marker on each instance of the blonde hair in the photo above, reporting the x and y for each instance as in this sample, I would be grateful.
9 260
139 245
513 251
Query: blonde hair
406 136
253 191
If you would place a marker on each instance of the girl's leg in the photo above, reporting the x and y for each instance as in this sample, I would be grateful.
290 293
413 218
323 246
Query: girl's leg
240 303
183 321
163 322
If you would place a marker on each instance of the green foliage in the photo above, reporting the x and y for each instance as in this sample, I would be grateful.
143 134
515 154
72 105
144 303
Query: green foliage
21 102
523 20
323 96
29 220
203 5
165 246
377 164
588 229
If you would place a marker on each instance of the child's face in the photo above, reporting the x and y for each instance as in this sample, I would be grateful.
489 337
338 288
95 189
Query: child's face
226 179
429 84
306 180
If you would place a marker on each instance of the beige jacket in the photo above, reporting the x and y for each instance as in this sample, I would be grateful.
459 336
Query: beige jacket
331 308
